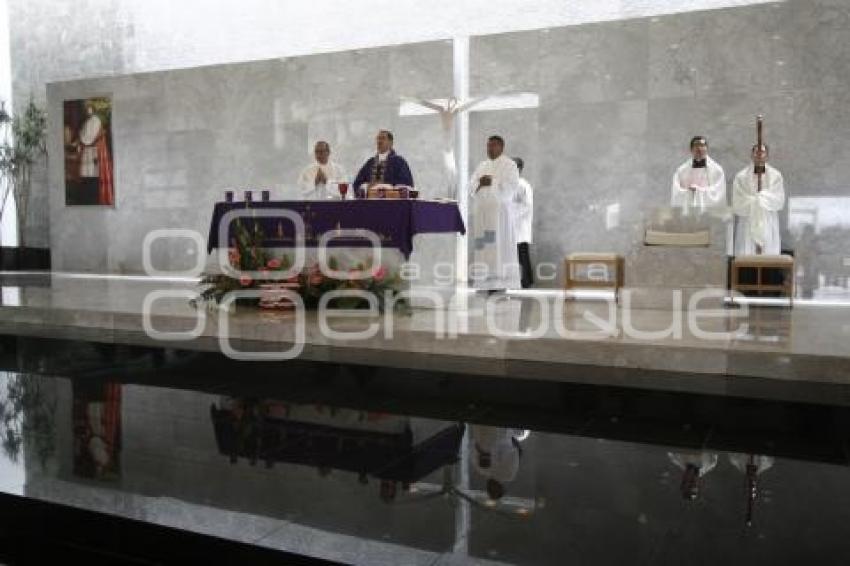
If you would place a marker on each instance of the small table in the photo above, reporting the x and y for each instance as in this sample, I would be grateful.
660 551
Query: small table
761 265
611 266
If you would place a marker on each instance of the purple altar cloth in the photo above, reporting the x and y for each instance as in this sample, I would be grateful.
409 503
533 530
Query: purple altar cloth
394 221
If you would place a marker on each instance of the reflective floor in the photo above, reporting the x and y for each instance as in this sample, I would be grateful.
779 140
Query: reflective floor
745 350
352 464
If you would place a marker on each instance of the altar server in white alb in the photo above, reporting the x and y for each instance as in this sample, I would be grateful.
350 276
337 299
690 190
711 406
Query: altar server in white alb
757 212
314 179
694 466
699 183
524 205
496 455
493 190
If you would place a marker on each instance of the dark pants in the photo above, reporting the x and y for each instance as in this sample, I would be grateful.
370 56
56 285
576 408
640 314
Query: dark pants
527 273
84 191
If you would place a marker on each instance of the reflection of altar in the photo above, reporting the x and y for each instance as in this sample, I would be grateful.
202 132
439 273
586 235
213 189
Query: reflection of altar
395 225
387 447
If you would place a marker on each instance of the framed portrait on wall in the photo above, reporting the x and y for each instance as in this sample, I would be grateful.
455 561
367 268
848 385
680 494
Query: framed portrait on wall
87 131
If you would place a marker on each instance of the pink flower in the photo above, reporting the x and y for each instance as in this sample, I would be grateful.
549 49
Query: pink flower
245 280
273 264
379 273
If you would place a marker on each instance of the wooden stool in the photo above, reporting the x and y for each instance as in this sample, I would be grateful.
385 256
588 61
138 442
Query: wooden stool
610 265
783 264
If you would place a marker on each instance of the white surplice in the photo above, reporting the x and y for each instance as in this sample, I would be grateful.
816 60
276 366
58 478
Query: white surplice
740 462
307 179
495 264
756 213
88 136
524 204
710 183
499 443
703 461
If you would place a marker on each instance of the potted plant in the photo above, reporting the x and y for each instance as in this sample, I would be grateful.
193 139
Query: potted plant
23 142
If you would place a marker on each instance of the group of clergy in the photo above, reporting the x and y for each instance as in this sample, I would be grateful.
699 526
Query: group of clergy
502 202
502 205
502 211
700 184
386 166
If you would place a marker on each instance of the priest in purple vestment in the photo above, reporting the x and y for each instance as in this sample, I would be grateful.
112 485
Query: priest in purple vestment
385 167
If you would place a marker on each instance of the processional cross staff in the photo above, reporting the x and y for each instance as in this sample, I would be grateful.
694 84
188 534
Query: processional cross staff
752 488
759 168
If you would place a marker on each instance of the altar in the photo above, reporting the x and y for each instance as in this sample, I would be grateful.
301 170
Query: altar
413 238
676 258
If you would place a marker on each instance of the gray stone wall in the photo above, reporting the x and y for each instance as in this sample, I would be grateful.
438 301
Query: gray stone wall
619 100
182 137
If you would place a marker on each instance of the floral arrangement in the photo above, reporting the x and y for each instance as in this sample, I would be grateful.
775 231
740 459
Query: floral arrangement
248 254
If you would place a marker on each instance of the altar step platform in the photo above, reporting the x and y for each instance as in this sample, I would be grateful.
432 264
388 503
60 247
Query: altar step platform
778 354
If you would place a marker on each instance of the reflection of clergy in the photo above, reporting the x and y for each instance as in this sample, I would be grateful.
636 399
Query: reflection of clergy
493 189
496 455
314 179
699 183
756 213
694 465
95 161
385 167
760 463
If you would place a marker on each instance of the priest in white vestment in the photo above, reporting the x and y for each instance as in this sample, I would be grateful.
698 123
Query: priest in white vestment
757 212
495 455
699 184
315 178
493 190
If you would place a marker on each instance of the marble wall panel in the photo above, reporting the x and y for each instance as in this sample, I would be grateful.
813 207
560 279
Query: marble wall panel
618 101
182 137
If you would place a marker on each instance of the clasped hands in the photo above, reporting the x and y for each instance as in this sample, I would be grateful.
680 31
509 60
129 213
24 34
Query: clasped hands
484 181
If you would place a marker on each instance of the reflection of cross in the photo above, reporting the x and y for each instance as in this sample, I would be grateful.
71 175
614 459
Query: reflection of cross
456 486
454 115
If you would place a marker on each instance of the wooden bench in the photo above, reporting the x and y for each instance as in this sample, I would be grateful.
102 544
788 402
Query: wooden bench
762 264
594 270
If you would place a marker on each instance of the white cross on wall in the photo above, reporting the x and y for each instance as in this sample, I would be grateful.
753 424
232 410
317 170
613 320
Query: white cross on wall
454 113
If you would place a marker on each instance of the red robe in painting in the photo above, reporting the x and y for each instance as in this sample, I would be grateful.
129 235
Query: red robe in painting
106 193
